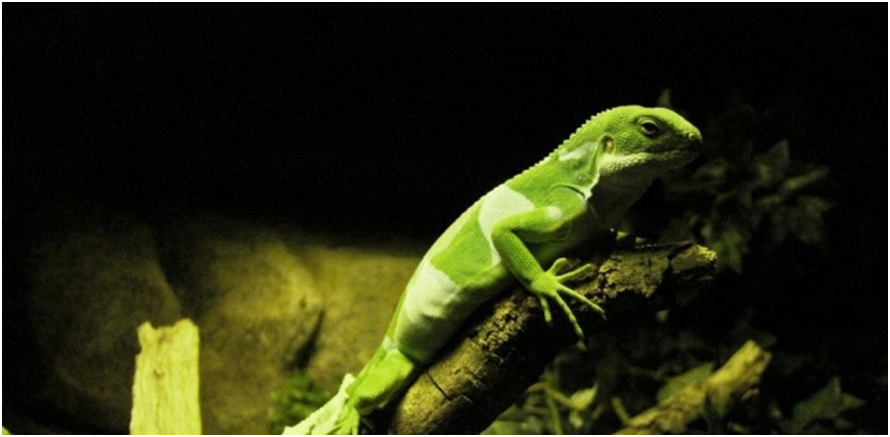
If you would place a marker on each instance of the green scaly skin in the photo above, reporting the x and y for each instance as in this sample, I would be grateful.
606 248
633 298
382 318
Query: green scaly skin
580 190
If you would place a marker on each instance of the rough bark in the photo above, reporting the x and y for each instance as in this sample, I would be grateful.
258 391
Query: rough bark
508 343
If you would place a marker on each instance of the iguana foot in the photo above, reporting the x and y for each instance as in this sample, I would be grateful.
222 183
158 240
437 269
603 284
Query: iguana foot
385 376
348 421
549 285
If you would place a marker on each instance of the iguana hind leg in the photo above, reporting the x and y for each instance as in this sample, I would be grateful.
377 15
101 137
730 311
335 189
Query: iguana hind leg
377 384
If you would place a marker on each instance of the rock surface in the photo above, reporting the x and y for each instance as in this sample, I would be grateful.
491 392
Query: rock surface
93 282
265 300
361 290
257 305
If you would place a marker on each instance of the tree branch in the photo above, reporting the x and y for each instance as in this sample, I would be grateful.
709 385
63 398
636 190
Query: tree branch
508 344
717 394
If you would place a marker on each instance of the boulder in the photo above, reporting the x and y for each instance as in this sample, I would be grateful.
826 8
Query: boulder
362 286
93 281
256 293
257 305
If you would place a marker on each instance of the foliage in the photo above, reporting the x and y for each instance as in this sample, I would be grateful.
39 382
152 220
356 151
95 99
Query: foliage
557 405
826 405
739 192
298 401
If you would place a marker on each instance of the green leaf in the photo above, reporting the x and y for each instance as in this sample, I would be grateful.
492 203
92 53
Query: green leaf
804 220
581 401
770 166
792 185
826 404
683 380
515 421
730 244
664 99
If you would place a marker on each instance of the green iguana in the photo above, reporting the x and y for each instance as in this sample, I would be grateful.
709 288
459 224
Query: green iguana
580 190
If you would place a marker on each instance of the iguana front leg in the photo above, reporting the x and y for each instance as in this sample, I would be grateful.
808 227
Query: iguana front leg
511 236
551 283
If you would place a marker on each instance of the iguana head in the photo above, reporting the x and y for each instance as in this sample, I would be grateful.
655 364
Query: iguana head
616 155
638 144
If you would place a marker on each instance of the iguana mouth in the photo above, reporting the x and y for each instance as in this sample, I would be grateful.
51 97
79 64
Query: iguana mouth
682 157
678 156
682 151
683 143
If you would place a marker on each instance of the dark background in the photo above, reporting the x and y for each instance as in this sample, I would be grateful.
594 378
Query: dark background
392 119
368 109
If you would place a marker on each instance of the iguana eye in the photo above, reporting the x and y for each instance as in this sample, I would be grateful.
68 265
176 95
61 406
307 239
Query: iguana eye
650 128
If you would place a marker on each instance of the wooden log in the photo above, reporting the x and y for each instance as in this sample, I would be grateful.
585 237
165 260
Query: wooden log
717 394
165 386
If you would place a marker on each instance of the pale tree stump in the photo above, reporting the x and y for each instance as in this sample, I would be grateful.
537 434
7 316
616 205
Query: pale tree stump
165 387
